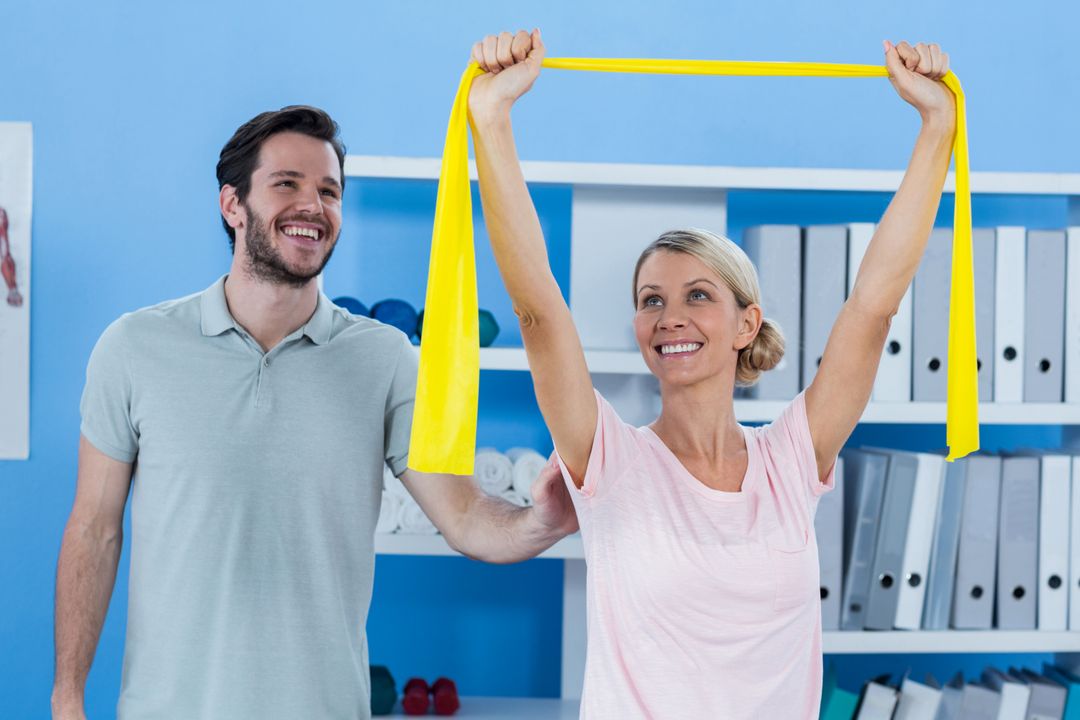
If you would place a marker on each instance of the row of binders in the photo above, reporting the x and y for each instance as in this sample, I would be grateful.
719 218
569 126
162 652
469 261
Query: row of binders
1027 310
907 541
1018 694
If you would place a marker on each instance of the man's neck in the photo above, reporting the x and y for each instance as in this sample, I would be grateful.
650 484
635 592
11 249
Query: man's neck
269 312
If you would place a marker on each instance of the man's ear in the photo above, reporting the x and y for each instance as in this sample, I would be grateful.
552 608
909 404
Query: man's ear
231 207
749 324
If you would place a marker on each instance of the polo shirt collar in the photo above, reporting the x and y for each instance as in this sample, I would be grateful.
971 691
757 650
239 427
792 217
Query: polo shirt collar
216 318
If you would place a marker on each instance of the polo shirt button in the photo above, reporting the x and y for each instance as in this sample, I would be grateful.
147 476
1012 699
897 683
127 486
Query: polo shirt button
266 362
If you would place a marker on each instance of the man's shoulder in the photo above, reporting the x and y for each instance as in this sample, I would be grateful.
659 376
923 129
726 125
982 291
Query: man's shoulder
166 316
349 328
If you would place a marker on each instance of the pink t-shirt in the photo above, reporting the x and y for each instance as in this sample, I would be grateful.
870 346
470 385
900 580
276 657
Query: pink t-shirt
702 604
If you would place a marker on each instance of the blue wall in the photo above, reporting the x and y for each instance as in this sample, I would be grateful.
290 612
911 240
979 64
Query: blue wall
131 103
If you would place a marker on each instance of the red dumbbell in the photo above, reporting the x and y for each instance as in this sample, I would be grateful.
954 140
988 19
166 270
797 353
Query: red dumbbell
446 697
415 698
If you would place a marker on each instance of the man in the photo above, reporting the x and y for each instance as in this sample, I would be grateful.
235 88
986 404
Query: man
252 422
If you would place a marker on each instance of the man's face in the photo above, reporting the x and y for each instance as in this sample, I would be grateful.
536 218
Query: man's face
292 216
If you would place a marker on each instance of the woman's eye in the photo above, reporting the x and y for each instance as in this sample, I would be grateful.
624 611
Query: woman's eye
699 295
651 301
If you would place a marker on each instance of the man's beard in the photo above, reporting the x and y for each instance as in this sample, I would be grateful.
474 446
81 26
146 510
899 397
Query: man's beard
265 262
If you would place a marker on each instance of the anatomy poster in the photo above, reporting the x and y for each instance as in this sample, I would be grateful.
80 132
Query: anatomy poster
16 176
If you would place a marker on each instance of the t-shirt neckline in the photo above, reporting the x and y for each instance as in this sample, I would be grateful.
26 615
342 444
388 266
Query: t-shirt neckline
701 488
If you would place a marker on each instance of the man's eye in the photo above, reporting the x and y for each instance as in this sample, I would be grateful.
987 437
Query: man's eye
329 193
286 183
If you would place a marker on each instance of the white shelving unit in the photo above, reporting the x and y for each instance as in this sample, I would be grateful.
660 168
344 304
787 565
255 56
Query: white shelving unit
840 643
617 362
612 200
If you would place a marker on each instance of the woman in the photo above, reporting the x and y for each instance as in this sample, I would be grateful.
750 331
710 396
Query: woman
702 565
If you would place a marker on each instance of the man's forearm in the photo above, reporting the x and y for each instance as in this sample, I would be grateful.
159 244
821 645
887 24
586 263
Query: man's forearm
497 531
85 575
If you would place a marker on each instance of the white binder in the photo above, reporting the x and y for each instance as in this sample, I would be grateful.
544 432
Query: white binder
930 319
1009 315
920 535
941 576
893 381
984 250
878 702
1018 543
824 282
1072 316
864 488
1044 316
776 251
917 701
1014 694
976 561
1053 593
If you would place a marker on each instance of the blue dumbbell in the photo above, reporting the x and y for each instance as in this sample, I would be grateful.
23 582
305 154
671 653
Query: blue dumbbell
398 313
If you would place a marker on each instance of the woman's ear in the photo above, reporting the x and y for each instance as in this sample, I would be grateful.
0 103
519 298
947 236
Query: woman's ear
749 324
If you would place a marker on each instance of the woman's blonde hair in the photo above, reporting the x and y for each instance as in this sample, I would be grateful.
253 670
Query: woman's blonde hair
727 260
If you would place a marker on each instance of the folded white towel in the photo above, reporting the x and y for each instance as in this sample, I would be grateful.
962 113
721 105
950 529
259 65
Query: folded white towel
389 513
393 485
414 521
494 471
527 466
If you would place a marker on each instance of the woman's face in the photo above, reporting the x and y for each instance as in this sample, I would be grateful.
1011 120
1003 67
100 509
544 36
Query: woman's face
687 323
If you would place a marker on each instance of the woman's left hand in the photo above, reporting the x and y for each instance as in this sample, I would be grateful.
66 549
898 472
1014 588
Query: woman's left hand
916 74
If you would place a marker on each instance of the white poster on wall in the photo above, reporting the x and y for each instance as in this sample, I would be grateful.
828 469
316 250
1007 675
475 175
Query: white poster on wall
16 181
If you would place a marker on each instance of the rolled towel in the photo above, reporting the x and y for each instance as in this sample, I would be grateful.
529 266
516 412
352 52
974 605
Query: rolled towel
389 513
513 497
393 485
527 466
414 521
493 471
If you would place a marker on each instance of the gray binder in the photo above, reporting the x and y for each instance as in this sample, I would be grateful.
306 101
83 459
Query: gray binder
864 488
980 702
829 530
1044 317
984 249
976 560
1018 543
930 342
824 290
942 576
1047 697
892 536
776 251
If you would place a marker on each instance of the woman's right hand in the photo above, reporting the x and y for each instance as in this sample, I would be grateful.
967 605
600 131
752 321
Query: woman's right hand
511 63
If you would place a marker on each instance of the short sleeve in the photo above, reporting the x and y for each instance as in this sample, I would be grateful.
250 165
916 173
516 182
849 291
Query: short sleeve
400 399
106 400
789 436
614 449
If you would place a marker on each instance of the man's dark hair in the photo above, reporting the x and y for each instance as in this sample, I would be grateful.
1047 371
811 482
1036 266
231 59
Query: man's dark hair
240 156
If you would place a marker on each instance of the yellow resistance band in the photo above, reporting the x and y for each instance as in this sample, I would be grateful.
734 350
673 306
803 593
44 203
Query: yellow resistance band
444 422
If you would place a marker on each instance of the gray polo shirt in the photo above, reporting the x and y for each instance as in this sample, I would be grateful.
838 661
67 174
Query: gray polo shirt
254 499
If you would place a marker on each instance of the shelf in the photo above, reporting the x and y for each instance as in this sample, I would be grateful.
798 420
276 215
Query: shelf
731 178
409 544
952 641
630 362
492 708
